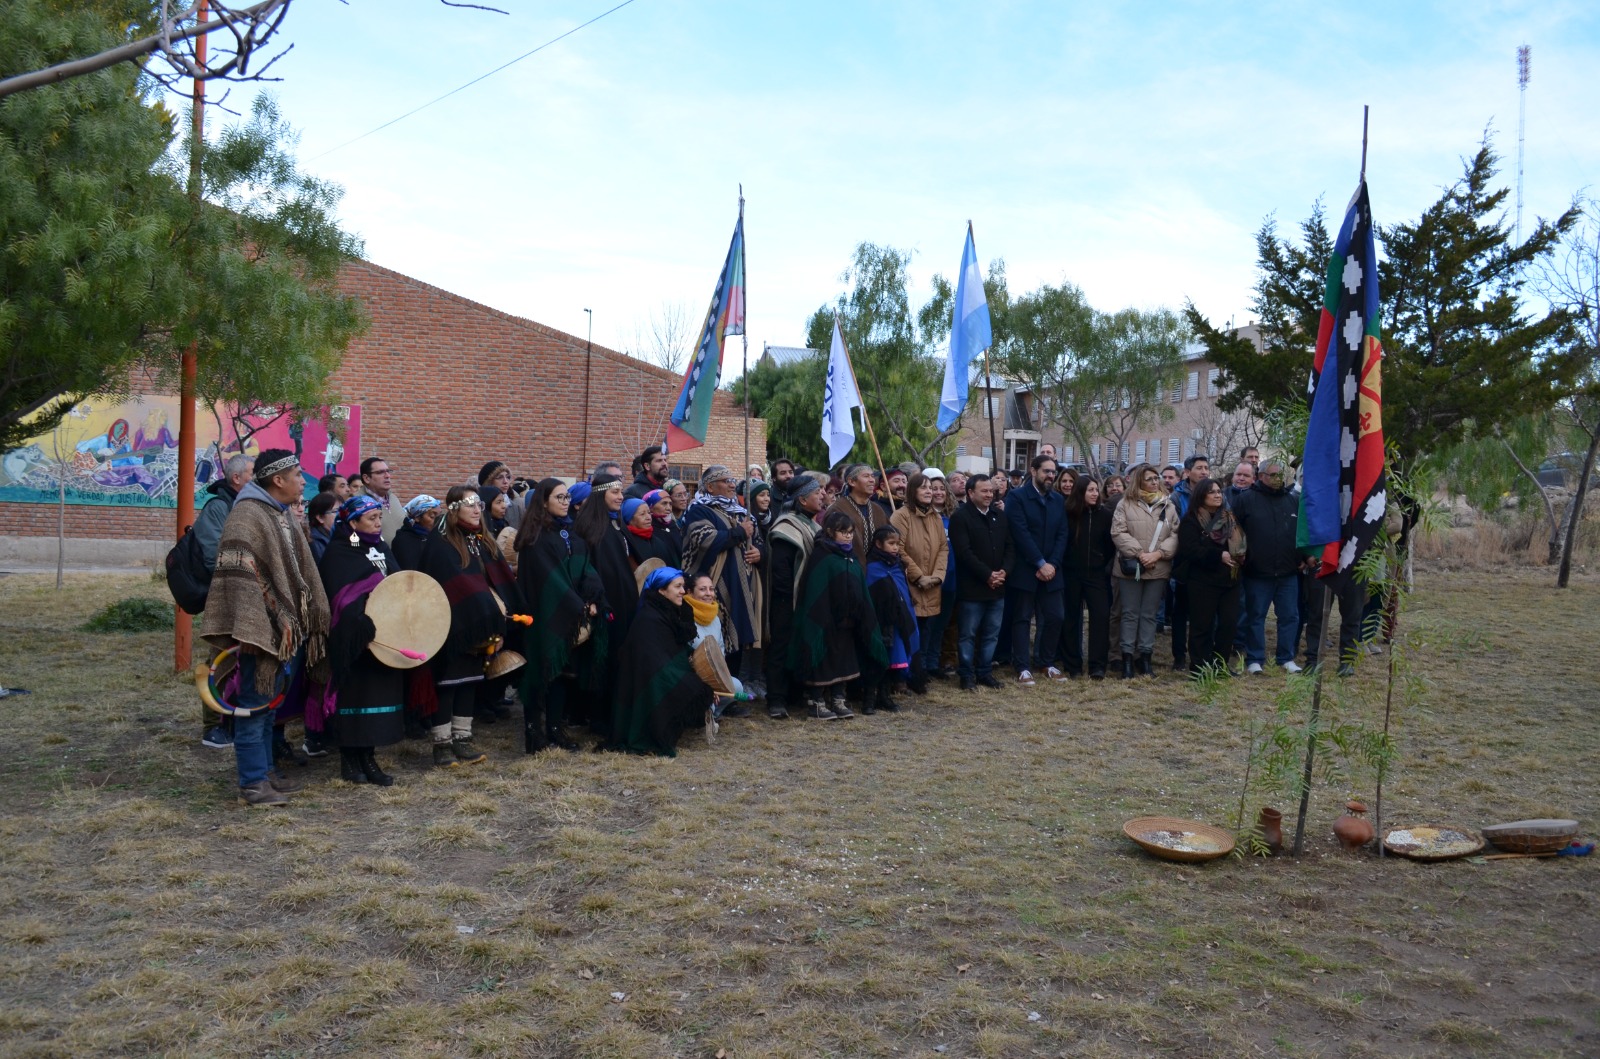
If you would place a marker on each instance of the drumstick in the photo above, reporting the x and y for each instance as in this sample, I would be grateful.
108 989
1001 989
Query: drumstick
521 619
402 651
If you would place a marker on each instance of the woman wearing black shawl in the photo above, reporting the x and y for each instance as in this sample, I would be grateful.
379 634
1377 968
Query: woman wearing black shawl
567 642
481 590
422 514
645 537
362 705
658 695
599 526
835 633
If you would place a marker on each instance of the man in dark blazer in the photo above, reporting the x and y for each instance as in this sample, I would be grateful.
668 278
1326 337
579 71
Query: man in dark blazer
1038 520
981 539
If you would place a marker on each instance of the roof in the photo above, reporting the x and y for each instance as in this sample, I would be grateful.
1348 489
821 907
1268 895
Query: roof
782 356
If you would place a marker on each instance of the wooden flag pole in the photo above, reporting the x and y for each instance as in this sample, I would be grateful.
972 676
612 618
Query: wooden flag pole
1316 709
744 329
882 470
989 410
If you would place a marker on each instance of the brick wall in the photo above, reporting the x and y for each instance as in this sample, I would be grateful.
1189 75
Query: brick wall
446 384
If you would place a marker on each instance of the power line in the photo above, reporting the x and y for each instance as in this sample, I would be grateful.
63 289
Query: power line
475 80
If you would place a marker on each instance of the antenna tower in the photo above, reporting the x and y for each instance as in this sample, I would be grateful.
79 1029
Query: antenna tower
1524 61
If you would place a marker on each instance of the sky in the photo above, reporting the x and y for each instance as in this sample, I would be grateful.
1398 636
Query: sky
1131 149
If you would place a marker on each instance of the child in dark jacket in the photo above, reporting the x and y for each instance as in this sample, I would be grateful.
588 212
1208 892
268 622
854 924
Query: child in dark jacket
897 620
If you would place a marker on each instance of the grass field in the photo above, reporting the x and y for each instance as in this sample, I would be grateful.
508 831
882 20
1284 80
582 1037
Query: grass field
947 881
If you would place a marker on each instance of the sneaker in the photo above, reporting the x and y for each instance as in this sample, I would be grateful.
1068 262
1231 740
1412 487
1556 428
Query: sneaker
1025 678
1347 670
842 710
989 681
738 709
968 684
777 712
261 796
444 757
1253 668
821 713
1291 666
466 753
283 752
313 746
217 738
1055 674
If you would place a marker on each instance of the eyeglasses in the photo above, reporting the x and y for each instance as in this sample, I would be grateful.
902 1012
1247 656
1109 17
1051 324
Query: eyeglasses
561 497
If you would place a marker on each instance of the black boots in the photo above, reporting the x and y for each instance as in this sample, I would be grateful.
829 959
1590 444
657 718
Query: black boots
1145 669
350 769
1127 667
375 774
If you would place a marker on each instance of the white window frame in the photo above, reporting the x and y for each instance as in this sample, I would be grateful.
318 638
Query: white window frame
1194 386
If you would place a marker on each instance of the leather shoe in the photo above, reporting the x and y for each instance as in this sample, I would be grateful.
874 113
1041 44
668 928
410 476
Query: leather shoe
968 684
989 681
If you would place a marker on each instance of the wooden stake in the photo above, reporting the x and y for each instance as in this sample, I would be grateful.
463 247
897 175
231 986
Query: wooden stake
1311 724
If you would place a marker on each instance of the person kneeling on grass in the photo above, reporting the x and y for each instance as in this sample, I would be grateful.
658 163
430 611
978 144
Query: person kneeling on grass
658 693
708 622
835 637
897 619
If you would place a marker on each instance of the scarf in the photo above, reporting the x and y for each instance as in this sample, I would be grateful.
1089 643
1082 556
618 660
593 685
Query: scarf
1220 527
1150 498
704 613
643 534
727 504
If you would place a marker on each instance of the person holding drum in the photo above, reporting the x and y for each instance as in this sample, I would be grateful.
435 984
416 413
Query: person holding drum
362 707
462 557
659 692
566 644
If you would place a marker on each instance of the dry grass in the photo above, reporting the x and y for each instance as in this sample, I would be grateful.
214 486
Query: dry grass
953 877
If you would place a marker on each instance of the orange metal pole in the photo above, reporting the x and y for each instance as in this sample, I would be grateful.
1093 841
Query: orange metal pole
183 626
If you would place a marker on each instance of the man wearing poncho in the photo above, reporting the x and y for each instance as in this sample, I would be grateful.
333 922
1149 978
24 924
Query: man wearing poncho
267 600
720 539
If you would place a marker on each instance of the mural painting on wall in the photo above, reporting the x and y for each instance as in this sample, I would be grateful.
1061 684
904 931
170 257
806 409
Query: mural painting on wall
125 454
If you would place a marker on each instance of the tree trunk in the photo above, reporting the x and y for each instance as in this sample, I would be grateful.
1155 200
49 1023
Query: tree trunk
61 523
1575 512
1549 509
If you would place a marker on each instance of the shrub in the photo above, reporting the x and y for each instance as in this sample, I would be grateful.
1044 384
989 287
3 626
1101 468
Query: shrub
138 614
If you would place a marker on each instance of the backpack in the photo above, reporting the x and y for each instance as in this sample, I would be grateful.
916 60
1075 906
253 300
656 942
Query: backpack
188 577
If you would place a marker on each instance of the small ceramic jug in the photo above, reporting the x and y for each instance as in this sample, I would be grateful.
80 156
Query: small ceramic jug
1353 829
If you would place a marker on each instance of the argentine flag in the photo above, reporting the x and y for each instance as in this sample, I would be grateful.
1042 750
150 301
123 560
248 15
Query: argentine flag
969 336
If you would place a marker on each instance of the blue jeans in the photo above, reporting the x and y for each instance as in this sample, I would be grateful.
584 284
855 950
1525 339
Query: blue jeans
978 632
931 634
252 736
1283 594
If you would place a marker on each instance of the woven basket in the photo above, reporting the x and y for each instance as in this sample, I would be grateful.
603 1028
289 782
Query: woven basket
1142 830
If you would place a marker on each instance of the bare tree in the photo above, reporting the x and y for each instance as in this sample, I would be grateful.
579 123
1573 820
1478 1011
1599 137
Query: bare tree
242 34
666 336
1573 284
1223 435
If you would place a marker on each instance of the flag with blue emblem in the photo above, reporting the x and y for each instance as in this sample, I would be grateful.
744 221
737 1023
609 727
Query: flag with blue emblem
691 416
839 396
1343 495
969 335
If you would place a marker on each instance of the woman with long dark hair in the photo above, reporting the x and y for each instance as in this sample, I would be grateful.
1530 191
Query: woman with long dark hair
1087 569
600 527
567 643
925 554
464 559
1210 555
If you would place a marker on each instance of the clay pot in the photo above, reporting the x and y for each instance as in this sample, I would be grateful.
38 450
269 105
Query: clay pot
1271 824
1353 829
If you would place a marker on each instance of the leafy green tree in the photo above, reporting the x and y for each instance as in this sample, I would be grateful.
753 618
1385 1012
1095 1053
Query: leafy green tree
1098 375
109 270
1462 348
789 398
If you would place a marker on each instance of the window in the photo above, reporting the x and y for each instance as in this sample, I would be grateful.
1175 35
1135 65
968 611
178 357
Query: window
1127 398
1127 451
687 473
961 450
1066 454
1177 393
1188 447
988 453
1095 451
1194 385
1211 381
1138 452
1172 450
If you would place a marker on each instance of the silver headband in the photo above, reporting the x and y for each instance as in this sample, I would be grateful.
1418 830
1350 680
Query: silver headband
278 466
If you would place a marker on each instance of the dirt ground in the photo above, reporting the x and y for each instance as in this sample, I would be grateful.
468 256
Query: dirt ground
951 880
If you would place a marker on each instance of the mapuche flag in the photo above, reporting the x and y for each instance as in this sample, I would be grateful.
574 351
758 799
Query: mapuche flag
691 416
1342 498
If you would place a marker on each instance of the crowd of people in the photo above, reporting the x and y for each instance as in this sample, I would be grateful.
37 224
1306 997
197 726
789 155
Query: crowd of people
823 595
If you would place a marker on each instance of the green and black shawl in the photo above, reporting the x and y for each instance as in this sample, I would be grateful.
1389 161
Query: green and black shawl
835 634
658 694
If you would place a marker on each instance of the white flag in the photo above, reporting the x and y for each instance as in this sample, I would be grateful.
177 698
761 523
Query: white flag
838 397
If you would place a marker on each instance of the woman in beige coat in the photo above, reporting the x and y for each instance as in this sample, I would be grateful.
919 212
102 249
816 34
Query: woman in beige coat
1145 530
925 551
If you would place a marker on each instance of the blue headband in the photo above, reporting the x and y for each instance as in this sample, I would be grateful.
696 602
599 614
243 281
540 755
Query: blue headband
357 506
662 578
579 492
